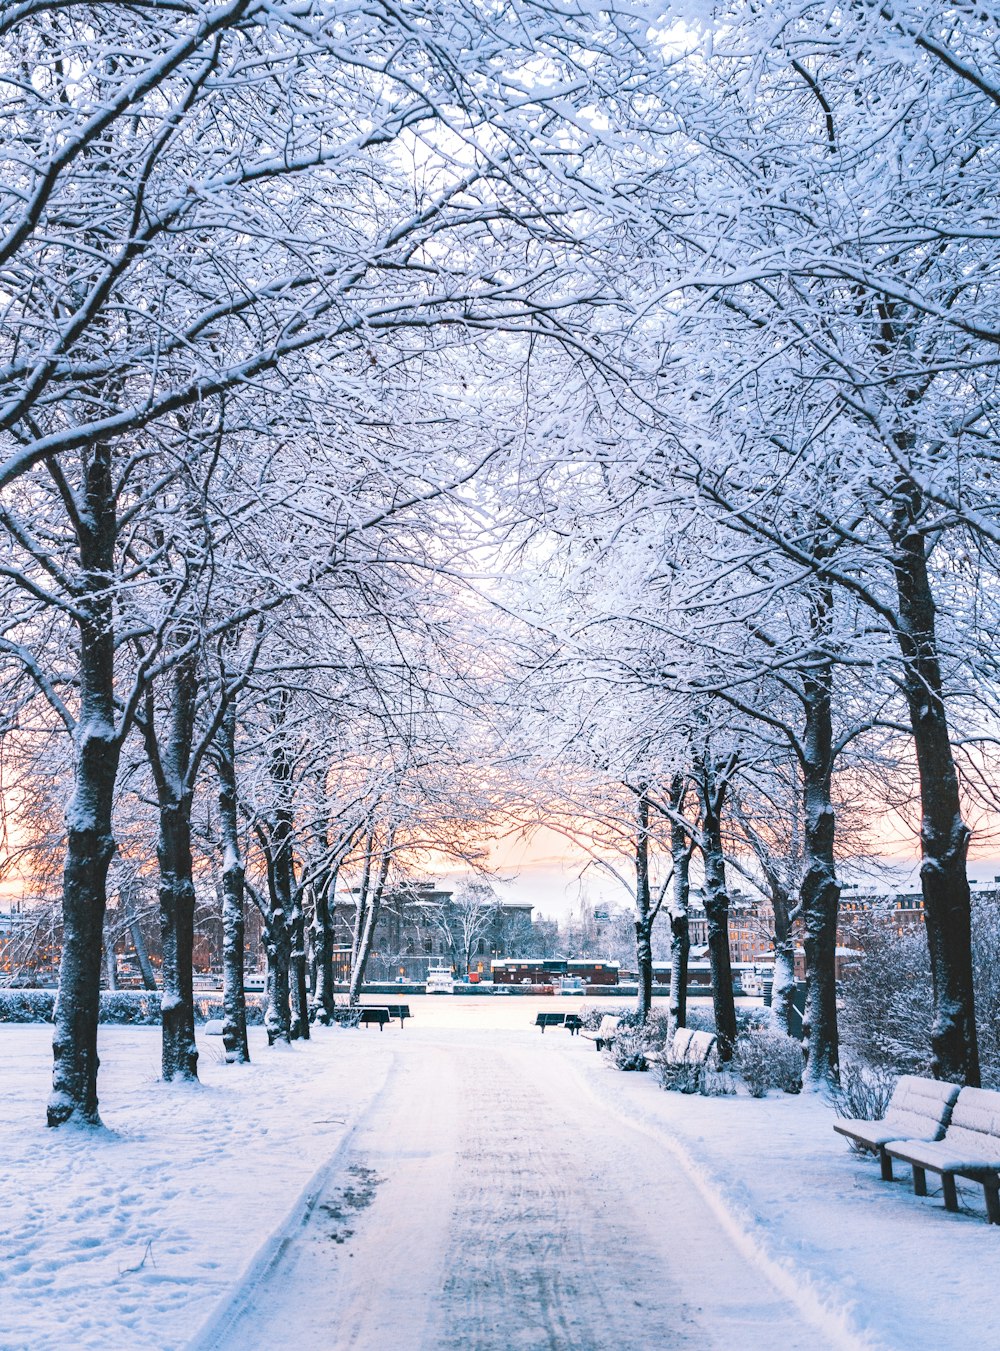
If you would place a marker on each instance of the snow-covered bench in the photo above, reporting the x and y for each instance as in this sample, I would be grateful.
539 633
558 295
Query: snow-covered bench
687 1047
919 1109
603 1034
970 1147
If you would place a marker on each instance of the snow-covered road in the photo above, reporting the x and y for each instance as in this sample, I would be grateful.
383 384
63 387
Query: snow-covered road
483 1202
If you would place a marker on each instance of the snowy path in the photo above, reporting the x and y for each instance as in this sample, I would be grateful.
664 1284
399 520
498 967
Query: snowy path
483 1202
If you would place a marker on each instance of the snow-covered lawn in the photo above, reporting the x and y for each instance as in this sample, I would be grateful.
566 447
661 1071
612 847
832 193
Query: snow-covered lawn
132 1237
127 1238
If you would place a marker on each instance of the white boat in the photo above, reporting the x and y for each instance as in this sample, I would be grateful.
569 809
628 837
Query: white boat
440 980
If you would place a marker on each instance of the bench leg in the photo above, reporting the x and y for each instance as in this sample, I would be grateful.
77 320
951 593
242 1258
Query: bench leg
886 1161
992 1202
919 1181
950 1194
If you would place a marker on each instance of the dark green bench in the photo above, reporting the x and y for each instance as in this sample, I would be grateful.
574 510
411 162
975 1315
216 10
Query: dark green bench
544 1020
380 1016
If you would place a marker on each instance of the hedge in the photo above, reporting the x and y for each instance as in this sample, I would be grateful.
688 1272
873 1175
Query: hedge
137 1008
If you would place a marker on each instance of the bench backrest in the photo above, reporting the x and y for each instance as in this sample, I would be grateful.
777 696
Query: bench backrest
689 1047
975 1119
609 1025
921 1108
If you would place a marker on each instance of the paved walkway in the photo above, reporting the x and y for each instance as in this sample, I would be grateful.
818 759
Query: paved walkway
487 1201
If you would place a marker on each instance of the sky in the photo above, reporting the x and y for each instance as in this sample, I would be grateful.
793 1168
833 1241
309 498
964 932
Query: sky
558 877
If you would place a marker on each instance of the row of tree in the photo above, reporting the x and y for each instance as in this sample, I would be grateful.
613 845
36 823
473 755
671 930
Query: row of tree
394 401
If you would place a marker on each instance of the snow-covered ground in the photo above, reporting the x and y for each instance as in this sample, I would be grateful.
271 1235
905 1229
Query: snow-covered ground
489 1187
128 1237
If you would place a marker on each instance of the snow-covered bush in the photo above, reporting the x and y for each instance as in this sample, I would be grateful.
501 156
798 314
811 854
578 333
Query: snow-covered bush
986 978
684 1078
701 1018
591 1014
767 1059
888 997
658 1027
863 1095
628 1048
26 1006
128 1008
131 1007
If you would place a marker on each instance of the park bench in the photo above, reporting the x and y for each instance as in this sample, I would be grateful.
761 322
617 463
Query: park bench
380 1016
687 1047
603 1034
400 1011
574 1023
919 1109
970 1147
544 1020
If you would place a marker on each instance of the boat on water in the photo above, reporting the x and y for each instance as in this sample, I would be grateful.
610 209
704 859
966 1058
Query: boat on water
440 980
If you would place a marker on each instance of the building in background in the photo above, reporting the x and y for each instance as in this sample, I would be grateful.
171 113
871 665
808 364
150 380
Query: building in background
422 925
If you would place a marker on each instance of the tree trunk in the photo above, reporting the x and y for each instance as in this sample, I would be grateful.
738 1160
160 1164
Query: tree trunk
142 955
90 843
299 992
171 766
820 894
368 932
323 996
717 911
944 836
180 1052
783 989
234 1000
277 1013
365 941
643 908
110 958
680 936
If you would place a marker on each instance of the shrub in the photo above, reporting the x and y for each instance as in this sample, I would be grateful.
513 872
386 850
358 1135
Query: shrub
591 1014
628 1049
695 1079
26 1006
701 1018
863 1095
124 1008
767 1059
887 998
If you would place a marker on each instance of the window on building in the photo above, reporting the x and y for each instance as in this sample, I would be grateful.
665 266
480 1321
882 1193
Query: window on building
428 945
